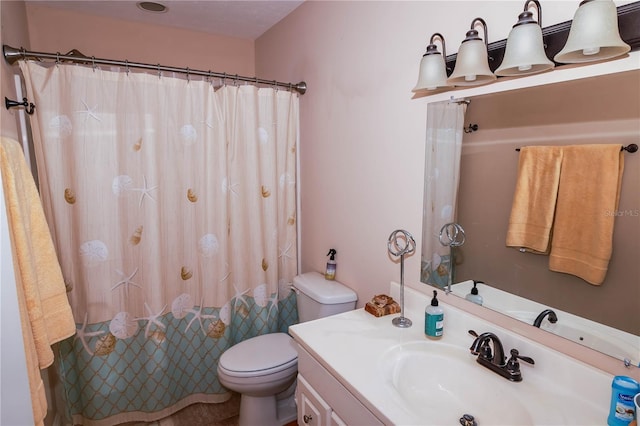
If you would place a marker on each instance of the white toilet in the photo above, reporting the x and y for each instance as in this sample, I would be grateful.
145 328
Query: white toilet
263 369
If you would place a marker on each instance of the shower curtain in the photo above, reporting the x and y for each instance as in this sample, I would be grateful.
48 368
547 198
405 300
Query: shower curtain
445 124
173 212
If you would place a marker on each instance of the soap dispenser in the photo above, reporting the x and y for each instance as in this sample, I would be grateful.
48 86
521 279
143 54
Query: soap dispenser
474 296
434 318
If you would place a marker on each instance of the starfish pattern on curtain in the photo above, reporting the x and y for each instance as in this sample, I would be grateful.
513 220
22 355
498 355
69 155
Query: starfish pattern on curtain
172 206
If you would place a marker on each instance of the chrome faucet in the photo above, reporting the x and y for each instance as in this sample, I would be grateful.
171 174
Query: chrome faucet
490 353
553 318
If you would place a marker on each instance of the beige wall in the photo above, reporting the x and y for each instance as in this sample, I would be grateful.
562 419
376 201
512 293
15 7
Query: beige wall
53 30
362 134
14 33
605 109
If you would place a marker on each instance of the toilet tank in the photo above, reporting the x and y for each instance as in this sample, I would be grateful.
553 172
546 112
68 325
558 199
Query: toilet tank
319 298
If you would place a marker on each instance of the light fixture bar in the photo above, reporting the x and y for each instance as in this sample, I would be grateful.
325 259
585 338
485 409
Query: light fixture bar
555 37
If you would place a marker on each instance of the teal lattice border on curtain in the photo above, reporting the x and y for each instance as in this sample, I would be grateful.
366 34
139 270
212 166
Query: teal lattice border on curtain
438 276
156 369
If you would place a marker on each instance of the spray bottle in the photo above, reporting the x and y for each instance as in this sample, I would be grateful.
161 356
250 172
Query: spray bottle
330 273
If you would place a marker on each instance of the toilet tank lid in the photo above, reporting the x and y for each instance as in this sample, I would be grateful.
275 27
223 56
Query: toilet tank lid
328 292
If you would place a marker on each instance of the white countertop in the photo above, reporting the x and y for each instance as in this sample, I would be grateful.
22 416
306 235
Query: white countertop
351 345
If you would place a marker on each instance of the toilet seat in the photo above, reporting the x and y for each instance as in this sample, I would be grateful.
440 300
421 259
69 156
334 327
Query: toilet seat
260 356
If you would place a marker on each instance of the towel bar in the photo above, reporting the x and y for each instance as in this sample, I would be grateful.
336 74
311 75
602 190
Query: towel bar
631 148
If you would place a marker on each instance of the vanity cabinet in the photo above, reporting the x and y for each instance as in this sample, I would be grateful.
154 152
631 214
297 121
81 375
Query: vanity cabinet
323 400
312 409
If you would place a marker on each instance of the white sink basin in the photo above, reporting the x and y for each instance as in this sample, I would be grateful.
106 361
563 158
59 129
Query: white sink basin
440 382
404 378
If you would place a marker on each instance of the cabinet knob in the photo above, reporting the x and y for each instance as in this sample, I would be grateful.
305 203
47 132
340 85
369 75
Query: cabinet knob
307 418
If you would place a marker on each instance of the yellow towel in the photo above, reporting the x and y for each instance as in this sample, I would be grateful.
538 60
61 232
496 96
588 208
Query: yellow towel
588 197
45 313
534 200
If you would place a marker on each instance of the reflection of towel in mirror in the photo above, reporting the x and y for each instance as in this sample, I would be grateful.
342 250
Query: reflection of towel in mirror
45 314
588 196
534 199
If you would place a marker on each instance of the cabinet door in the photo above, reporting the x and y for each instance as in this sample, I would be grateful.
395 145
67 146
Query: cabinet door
312 409
335 420
345 408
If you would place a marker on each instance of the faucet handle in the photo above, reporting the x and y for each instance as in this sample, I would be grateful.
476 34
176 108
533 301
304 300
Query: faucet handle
513 366
515 356
481 348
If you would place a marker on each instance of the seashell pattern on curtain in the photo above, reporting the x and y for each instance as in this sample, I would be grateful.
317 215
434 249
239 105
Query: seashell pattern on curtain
445 124
172 207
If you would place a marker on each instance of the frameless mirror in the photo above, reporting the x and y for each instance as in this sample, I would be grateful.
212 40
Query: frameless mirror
603 109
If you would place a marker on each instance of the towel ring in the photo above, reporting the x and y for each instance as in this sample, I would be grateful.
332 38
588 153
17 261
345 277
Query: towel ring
452 235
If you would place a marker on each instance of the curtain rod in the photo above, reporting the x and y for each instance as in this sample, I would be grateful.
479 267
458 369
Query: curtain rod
11 55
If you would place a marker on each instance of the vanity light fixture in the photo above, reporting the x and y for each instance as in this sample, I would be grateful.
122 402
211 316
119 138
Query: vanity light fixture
472 63
594 34
433 72
525 52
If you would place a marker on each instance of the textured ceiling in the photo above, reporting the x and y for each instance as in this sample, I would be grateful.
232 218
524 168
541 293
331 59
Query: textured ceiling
232 18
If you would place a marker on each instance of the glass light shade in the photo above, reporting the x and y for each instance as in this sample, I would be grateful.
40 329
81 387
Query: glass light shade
432 74
594 34
525 52
472 65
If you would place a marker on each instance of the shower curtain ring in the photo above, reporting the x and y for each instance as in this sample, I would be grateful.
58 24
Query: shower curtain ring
188 76
159 72
93 63
57 58
126 64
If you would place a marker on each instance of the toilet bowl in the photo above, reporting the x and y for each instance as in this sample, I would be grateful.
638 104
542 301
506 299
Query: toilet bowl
263 369
260 368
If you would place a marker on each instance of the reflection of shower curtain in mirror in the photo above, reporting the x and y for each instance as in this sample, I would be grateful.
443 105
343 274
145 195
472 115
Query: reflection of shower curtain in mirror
445 123
172 208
